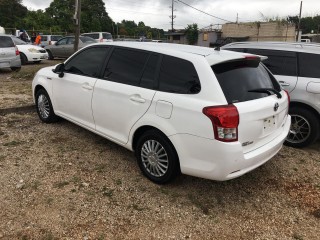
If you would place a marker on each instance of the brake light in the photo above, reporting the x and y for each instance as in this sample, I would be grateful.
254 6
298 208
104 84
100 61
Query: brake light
225 122
17 51
251 57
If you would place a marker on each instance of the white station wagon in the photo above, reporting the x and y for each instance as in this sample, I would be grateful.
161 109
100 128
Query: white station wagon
199 111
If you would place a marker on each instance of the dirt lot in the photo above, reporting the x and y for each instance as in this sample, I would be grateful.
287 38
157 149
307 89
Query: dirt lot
60 181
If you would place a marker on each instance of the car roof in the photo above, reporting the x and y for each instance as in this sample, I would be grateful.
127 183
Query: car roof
288 46
212 56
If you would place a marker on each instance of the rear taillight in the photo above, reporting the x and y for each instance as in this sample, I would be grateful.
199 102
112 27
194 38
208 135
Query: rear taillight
225 122
17 51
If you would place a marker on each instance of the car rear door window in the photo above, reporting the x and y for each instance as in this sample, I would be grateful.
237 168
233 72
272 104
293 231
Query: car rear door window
62 41
150 71
309 65
87 62
237 78
126 66
279 62
178 76
6 42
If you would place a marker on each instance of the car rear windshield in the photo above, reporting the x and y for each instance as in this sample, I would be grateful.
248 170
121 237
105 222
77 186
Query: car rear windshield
106 36
6 42
237 78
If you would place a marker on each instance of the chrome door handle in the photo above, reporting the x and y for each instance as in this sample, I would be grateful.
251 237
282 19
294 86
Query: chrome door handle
87 86
284 84
137 98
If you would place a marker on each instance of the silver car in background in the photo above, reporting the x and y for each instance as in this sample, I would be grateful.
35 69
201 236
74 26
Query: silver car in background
296 67
64 47
49 39
9 53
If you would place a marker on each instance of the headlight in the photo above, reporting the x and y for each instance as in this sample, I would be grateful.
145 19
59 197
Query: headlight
33 50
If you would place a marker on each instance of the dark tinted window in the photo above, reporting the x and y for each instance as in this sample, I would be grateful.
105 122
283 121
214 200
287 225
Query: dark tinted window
87 62
92 35
62 41
149 74
106 36
125 66
44 38
6 42
178 76
236 49
279 62
87 40
309 65
55 38
238 77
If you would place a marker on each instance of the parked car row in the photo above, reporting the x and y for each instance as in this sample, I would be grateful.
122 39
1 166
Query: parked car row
297 67
203 112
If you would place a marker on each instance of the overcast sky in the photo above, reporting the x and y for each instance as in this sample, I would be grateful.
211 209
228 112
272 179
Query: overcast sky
155 13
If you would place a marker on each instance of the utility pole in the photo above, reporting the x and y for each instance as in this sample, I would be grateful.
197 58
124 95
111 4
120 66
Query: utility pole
172 16
299 22
237 18
76 18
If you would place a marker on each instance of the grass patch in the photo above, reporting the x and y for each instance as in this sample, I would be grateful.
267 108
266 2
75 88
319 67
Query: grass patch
101 167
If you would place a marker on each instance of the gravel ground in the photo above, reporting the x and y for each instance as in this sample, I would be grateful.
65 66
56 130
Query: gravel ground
59 181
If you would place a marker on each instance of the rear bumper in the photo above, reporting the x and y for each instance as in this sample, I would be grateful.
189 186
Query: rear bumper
211 159
8 63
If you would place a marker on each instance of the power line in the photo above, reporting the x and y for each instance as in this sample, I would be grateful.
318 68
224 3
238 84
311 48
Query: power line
203 11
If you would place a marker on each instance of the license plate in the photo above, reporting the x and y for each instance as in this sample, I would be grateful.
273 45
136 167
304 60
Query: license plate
43 57
269 124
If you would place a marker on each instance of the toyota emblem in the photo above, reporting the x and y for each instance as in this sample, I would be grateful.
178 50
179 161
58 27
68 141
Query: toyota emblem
276 106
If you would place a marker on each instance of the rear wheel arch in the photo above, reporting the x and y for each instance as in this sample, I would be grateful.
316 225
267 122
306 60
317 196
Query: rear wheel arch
304 106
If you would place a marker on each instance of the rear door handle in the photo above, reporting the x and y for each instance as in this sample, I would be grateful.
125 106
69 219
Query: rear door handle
87 86
137 98
284 84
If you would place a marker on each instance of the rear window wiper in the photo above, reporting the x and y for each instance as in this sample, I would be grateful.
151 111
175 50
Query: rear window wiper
268 91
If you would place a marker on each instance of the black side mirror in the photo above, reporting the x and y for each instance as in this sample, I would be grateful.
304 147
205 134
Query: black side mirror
59 69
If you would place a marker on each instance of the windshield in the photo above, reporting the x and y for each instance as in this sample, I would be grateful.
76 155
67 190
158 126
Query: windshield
238 78
18 41
87 40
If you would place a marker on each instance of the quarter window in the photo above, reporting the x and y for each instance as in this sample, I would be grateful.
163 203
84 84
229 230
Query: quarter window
149 74
87 62
126 66
309 65
178 76
279 62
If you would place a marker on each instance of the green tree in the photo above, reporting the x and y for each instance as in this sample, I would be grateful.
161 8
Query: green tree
192 32
12 13
37 20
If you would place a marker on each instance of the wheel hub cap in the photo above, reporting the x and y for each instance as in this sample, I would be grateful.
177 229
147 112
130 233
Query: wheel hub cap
154 158
300 129
43 106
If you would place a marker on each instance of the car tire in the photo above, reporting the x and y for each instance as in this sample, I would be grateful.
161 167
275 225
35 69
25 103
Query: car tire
157 157
44 107
304 129
24 59
16 69
50 55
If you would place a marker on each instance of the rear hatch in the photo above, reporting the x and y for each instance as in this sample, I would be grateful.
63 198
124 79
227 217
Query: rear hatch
261 103
7 51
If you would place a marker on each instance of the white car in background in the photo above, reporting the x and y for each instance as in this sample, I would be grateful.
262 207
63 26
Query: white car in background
28 52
